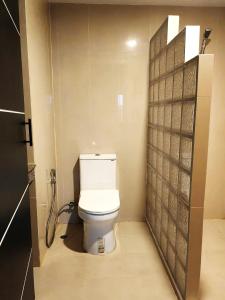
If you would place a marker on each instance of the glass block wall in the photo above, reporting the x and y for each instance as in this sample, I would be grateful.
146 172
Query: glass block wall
171 126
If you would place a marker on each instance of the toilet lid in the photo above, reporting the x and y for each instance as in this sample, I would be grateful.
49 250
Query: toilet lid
99 201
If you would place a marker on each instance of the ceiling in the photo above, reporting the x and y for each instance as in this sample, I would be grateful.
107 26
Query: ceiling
213 3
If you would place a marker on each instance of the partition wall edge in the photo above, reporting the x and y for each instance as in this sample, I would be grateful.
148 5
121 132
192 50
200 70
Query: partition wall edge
199 169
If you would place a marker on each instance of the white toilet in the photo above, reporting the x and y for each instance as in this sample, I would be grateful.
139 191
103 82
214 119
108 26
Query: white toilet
99 201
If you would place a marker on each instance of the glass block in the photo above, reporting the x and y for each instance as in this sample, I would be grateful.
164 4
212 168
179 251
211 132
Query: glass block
148 212
153 159
159 164
179 50
149 175
164 219
165 194
149 194
162 63
166 169
167 115
152 48
176 116
152 71
173 203
152 219
153 200
174 172
188 117
148 209
160 140
157 43
158 228
149 172
154 181
183 218
172 232
171 258
166 142
150 136
158 207
178 85
149 188
180 277
149 155
156 92
163 36
181 247
150 114
155 114
186 152
151 94
162 85
175 146
169 88
185 185
163 243
160 115
156 68
154 137
170 58
190 80
159 187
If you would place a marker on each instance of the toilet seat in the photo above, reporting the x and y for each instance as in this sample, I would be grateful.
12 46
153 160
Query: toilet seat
99 202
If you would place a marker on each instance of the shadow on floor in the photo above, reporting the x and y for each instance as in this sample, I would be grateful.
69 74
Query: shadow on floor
74 239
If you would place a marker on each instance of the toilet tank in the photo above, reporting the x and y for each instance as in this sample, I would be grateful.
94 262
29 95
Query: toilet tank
97 171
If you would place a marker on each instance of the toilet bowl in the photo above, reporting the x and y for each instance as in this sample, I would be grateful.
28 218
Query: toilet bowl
99 202
99 210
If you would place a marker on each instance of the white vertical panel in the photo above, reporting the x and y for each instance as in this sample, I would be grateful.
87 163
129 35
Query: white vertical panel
173 27
192 38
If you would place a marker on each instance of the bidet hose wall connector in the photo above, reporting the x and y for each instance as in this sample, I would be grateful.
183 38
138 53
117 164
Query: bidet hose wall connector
53 213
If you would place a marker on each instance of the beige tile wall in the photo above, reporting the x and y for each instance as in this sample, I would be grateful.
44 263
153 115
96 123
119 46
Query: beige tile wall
37 71
92 65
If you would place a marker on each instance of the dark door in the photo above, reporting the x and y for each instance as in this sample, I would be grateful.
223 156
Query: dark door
16 272
11 87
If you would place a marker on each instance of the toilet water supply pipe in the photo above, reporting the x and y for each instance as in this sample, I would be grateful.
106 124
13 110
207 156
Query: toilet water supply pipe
53 213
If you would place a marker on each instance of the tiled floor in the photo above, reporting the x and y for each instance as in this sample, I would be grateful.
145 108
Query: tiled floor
213 261
132 272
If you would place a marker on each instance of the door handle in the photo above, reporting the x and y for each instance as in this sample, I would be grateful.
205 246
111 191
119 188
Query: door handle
30 141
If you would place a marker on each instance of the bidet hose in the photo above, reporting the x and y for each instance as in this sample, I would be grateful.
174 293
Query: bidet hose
53 213
52 218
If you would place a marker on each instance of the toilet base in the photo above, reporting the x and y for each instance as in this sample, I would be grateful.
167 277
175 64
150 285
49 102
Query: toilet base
99 234
98 240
